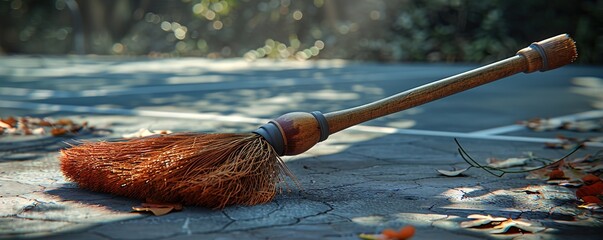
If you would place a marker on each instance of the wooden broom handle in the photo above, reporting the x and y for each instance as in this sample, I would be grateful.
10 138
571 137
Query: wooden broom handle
294 133
544 55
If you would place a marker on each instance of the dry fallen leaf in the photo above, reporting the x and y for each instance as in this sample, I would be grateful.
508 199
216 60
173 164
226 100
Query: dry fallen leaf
158 209
39 126
482 221
58 131
366 236
38 131
390 234
452 173
5 124
64 122
594 189
566 183
9 122
540 124
515 226
143 132
595 207
500 225
506 163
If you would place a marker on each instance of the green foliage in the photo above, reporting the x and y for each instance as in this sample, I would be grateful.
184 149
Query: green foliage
379 30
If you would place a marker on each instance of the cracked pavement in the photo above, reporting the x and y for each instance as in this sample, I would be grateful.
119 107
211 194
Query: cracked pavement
358 181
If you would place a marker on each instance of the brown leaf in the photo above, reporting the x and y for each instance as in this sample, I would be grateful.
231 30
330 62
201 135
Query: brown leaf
58 131
515 226
591 199
556 174
594 189
44 123
540 174
64 122
591 179
175 206
9 122
158 209
5 124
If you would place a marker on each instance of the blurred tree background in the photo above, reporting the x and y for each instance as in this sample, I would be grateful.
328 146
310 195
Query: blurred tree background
375 30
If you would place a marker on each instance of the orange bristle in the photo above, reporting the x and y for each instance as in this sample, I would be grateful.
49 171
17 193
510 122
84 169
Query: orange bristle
212 170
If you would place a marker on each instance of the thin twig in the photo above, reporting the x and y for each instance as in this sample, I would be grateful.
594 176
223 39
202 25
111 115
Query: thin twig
503 171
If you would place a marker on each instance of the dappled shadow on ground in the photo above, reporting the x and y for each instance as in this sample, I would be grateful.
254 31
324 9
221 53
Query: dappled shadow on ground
390 181
357 182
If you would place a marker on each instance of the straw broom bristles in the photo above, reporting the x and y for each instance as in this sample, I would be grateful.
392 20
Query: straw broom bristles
212 170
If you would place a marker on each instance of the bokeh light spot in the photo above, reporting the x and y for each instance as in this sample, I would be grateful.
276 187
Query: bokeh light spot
166 26
118 48
375 15
298 15
217 25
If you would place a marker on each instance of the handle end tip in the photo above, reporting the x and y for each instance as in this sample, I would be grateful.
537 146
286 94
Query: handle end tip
550 53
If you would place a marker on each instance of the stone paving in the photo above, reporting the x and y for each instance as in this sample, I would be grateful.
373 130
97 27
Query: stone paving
362 180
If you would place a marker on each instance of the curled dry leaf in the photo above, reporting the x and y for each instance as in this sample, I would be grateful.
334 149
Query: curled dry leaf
589 163
482 221
566 183
158 209
506 163
515 226
539 174
453 172
500 225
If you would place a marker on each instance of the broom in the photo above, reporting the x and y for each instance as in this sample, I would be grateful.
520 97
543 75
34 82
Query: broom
221 169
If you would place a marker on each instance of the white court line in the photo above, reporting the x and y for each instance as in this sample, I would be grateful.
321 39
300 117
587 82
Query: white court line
512 128
240 119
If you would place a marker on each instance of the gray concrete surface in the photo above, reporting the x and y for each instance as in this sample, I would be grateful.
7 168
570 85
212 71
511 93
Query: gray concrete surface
363 180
